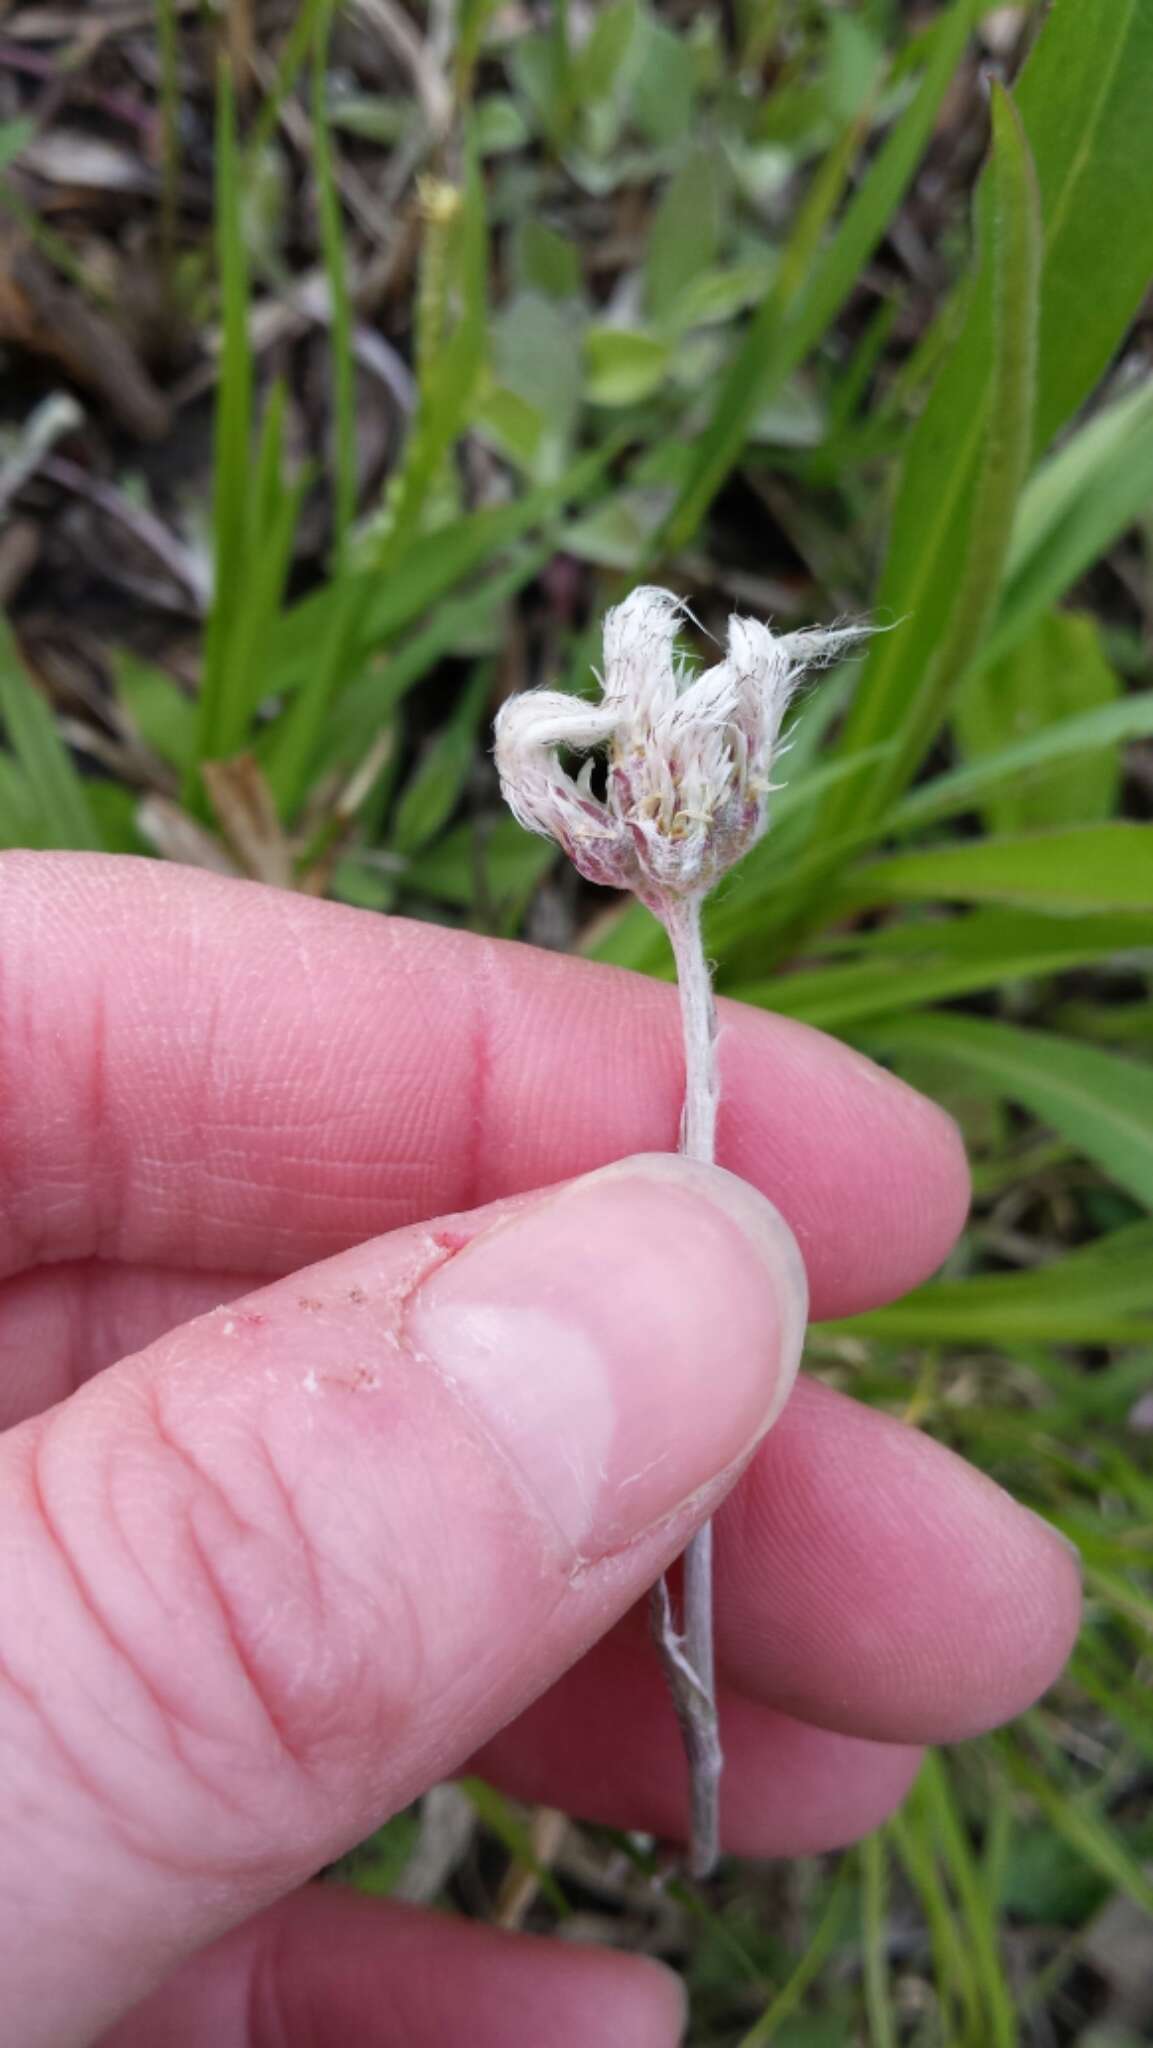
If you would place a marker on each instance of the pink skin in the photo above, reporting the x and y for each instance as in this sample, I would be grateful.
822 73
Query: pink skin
270 1570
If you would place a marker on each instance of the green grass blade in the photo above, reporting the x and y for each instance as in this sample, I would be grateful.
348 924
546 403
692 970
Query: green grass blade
502 1820
954 517
772 350
1101 1103
343 371
429 570
61 809
1072 510
1084 97
233 435
789 1997
450 374
948 957
1100 1295
955 1974
874 1941
291 62
435 786
1083 867
1100 1846
1103 1294
978 1904
961 789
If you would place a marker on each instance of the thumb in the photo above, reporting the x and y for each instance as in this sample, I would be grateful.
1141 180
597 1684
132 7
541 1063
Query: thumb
271 1577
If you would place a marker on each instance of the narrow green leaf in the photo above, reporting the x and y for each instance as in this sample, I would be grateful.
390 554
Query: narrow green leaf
13 137
949 957
501 1817
772 350
954 1967
343 366
163 716
1101 1103
435 785
875 1940
1071 739
232 436
979 1907
60 807
953 521
1072 510
1100 1845
426 573
1084 867
788 1998
1101 1295
449 382
1084 97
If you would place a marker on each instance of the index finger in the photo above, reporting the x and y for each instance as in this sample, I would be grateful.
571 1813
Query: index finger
209 1074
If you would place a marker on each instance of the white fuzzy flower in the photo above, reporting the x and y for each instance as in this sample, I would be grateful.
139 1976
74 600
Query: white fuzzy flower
689 756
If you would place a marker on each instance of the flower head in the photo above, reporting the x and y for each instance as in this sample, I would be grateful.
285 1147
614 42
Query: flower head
689 756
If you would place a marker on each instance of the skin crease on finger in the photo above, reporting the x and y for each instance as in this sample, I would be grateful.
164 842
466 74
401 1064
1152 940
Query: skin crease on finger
301 1076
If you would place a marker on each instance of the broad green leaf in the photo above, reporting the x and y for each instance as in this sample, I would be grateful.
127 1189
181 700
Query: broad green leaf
684 238
952 523
601 67
623 365
54 788
1103 1294
536 351
1099 1102
516 429
1084 97
664 88
1084 867
547 261
773 349
1056 672
948 957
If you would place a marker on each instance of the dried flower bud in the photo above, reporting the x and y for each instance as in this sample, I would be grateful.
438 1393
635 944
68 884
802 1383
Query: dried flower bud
689 755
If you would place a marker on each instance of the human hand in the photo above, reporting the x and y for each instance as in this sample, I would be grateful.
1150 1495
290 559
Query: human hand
266 1571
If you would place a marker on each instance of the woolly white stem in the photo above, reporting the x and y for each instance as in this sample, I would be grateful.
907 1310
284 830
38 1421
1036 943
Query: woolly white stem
688 1652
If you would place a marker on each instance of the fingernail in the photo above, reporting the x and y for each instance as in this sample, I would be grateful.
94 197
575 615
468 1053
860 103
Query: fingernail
625 1340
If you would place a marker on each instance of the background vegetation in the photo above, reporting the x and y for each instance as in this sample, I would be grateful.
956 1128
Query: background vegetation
356 357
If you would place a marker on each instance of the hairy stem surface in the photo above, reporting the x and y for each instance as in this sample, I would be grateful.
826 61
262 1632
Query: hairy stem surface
687 1650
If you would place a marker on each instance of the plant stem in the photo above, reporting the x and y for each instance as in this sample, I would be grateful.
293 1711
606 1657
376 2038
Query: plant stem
688 1651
